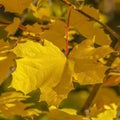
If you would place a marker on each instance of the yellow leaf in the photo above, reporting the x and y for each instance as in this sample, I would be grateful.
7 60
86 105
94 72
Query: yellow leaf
109 113
86 26
65 85
56 34
47 68
7 62
16 6
11 29
106 96
86 66
41 12
91 11
10 104
35 28
60 115
39 67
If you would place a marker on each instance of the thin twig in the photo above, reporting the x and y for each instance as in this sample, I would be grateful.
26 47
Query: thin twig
67 31
117 36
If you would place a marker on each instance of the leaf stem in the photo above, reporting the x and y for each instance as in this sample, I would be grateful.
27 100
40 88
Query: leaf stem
67 31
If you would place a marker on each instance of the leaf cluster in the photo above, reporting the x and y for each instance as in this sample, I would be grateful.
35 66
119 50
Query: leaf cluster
37 80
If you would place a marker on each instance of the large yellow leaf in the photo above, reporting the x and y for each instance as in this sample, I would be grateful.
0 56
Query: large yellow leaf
87 68
47 68
7 62
40 67
16 6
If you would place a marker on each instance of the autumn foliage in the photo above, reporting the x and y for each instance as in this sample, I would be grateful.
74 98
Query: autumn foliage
57 62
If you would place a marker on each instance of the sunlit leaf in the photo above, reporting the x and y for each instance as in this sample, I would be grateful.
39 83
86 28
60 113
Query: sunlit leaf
10 104
86 26
40 67
109 113
5 85
7 62
60 115
15 5
3 32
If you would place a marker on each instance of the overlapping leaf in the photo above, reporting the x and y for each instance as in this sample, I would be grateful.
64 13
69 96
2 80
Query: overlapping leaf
10 105
15 5
109 113
39 66
35 28
6 60
56 34
60 115
41 12
86 66
86 26
113 73
109 97
11 29
46 67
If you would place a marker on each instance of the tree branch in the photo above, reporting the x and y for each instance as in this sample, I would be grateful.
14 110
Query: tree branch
117 36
